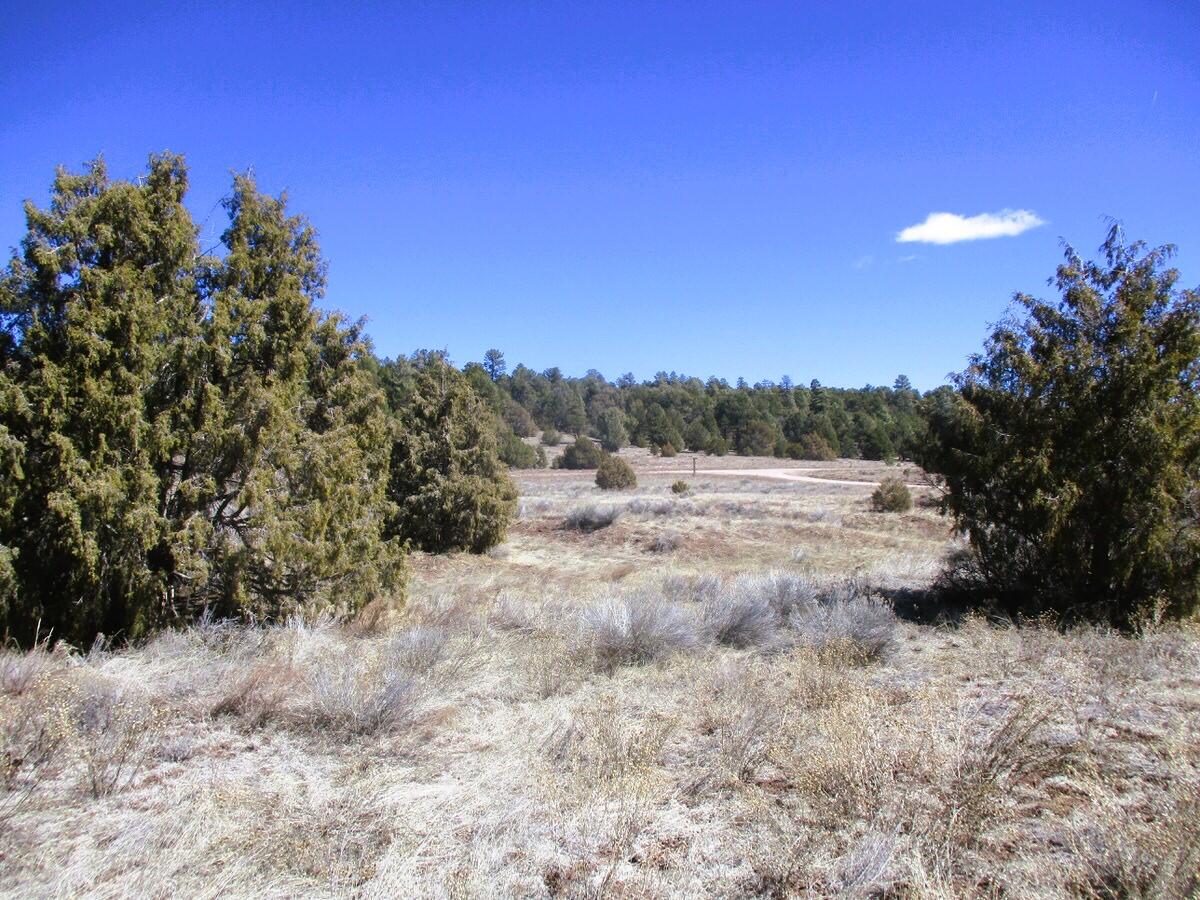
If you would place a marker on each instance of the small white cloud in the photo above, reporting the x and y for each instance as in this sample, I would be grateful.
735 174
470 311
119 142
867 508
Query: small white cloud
864 262
907 258
950 228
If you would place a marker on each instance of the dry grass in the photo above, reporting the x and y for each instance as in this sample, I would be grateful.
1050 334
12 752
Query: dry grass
735 719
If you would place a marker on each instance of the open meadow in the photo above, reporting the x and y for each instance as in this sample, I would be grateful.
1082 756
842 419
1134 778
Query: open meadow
641 693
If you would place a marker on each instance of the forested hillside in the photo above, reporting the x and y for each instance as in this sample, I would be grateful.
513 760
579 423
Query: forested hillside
679 412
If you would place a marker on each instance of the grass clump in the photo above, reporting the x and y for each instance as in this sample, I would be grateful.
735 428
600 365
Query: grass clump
892 495
614 474
680 487
739 618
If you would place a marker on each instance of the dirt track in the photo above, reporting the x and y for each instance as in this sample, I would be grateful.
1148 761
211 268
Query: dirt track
776 474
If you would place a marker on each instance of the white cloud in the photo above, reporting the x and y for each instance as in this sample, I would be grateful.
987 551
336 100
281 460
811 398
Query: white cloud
950 228
864 262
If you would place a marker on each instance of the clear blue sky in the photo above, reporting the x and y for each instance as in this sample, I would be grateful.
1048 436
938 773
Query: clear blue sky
712 189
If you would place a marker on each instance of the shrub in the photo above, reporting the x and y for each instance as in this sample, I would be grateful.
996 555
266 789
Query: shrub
667 542
180 431
614 474
892 495
679 487
583 454
697 437
516 453
739 618
784 592
592 518
1071 446
637 629
667 450
718 446
846 617
518 419
814 447
551 437
359 696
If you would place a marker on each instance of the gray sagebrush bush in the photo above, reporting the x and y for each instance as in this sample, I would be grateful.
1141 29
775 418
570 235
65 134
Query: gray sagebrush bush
638 628
592 517
849 616
739 618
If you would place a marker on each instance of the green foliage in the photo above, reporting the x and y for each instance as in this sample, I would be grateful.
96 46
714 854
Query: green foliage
551 437
1071 448
697 437
614 473
814 447
892 495
583 454
448 484
518 419
494 364
180 432
516 453
679 487
611 430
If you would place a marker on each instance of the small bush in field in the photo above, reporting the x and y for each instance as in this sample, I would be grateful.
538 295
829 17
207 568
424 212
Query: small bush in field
739 618
516 453
614 474
551 437
636 629
583 454
892 495
667 542
846 616
679 487
667 450
592 518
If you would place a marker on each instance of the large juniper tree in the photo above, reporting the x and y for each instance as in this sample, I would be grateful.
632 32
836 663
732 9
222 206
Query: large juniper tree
179 432
1071 450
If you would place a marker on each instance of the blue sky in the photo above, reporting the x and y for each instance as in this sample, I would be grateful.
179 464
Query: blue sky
706 188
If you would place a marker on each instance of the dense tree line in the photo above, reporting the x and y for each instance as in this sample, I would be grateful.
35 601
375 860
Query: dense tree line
677 412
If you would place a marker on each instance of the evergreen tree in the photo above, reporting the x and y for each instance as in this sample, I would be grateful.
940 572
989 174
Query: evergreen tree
448 484
494 364
185 433
1071 451
611 430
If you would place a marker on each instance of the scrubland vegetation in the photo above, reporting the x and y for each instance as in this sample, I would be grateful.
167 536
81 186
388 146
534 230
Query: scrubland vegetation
568 718
284 618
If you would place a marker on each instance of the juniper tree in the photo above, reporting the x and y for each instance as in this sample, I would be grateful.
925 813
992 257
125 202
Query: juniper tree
611 430
449 487
185 433
1071 449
